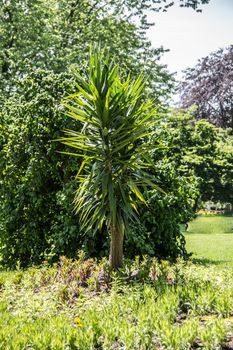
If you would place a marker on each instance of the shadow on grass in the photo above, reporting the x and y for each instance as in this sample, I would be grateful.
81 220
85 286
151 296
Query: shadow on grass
206 262
227 232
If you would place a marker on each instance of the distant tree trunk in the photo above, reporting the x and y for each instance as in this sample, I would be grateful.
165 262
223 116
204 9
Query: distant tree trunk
116 248
231 119
195 205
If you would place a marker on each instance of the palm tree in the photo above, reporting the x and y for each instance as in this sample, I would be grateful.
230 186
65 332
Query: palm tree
113 174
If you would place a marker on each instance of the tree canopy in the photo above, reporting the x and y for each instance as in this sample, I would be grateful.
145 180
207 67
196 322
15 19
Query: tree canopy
209 86
201 149
55 34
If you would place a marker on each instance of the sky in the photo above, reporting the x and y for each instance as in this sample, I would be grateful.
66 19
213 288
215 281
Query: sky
190 35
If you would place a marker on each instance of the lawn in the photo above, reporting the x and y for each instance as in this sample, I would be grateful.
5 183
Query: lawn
210 239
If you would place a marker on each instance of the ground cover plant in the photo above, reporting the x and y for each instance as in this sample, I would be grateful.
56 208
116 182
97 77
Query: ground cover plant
210 239
81 304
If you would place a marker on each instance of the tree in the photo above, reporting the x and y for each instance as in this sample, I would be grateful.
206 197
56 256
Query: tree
199 148
52 35
36 182
115 123
209 86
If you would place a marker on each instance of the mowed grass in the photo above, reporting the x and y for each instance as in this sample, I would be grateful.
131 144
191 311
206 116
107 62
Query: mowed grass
210 239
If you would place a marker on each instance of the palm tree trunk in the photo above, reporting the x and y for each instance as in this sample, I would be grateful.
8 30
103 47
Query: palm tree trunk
116 248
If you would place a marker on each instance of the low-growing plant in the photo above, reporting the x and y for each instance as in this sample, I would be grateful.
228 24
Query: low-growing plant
139 307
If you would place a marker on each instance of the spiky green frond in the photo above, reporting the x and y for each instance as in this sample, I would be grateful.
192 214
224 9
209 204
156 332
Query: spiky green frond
116 121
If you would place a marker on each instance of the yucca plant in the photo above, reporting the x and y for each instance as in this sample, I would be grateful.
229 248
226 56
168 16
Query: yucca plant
115 120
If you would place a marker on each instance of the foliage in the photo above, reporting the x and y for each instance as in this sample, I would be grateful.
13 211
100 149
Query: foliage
198 148
42 38
53 35
25 37
150 305
115 122
160 222
209 87
35 181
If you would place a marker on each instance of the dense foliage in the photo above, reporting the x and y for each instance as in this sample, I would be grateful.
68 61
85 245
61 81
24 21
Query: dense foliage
35 181
53 35
199 148
39 40
37 184
209 86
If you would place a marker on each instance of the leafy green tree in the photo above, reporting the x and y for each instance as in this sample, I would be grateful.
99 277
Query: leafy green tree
25 37
115 159
200 148
36 219
54 34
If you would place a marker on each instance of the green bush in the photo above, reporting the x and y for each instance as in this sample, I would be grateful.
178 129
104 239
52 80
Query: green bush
36 185
159 232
